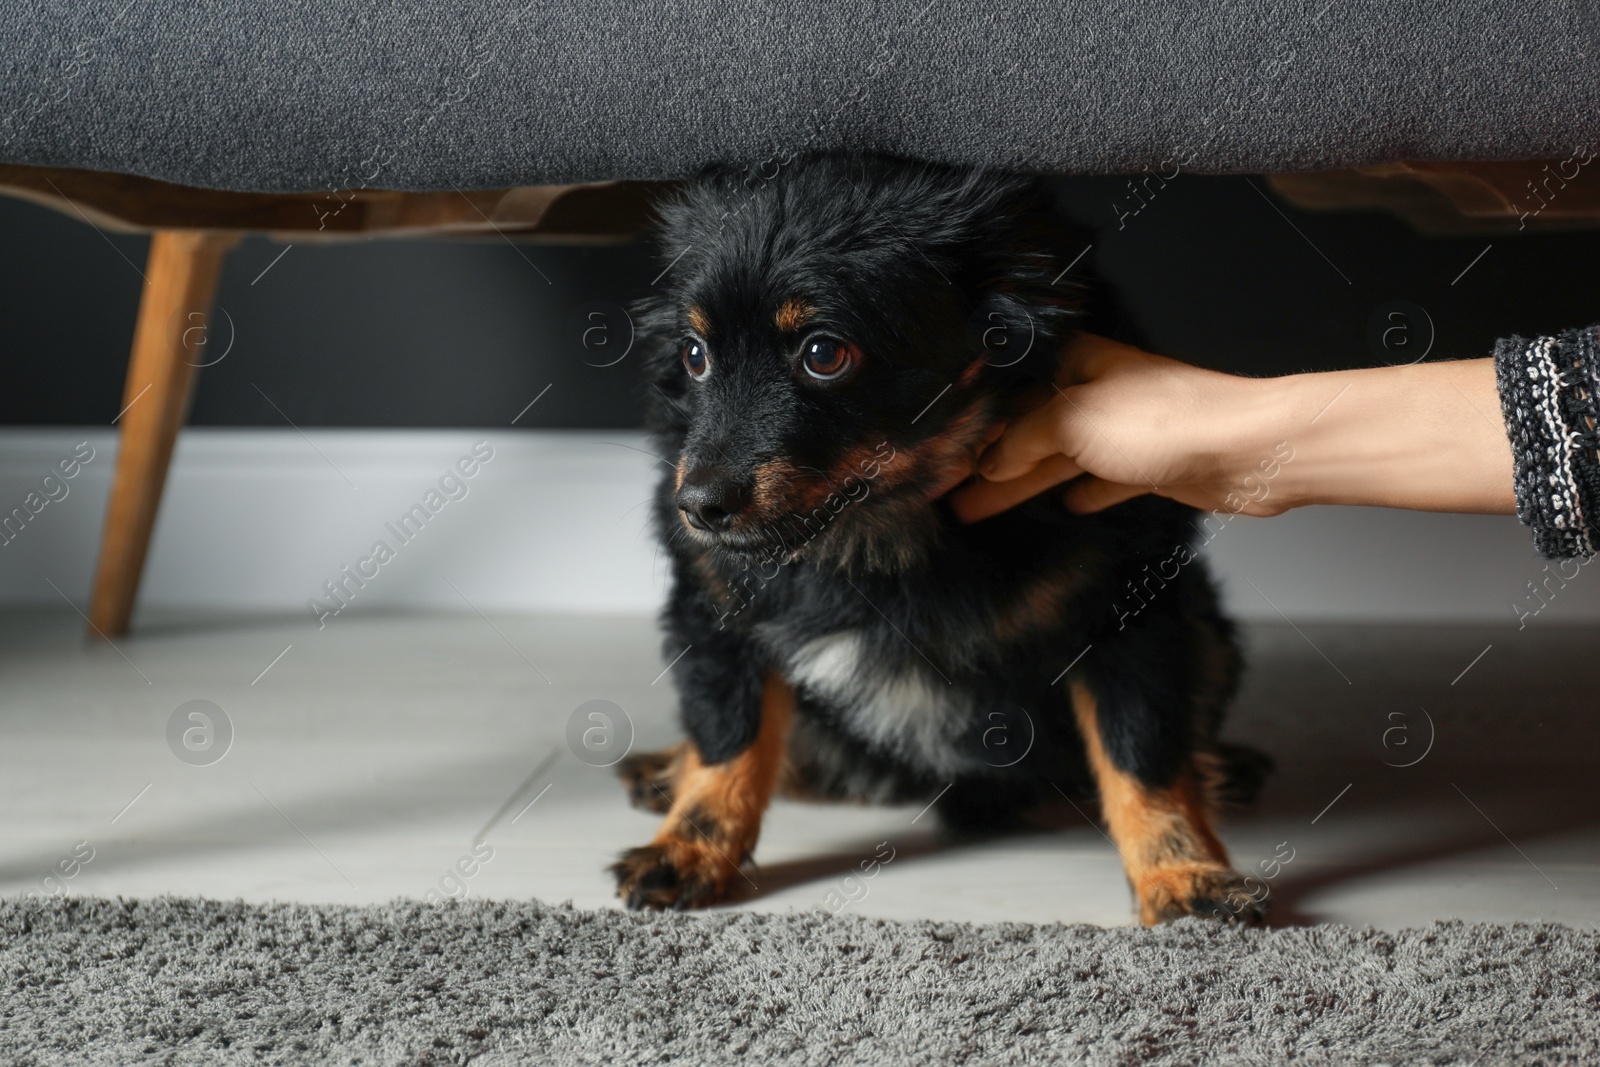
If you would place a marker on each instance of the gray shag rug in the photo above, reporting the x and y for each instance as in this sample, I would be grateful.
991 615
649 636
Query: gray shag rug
189 981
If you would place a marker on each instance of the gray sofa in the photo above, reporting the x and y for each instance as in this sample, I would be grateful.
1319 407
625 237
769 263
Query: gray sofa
279 95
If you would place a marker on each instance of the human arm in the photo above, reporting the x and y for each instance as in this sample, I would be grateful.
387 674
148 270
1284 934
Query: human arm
1123 422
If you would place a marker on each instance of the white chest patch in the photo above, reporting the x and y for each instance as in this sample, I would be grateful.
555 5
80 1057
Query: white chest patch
914 712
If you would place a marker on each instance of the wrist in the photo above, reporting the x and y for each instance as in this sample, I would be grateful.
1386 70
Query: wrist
1304 413
1254 451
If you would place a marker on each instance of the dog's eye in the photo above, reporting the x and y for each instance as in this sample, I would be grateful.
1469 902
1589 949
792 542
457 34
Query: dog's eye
695 360
827 358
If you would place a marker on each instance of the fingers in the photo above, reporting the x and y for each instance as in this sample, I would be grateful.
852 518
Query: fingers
1054 425
1030 439
1093 494
1040 449
982 499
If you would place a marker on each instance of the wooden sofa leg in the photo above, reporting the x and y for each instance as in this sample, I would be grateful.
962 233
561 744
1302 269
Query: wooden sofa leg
169 343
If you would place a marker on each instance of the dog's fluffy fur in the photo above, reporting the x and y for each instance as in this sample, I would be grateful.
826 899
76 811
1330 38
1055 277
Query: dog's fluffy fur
836 633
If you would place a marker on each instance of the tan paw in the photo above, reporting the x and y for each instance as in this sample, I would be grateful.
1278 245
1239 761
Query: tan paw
674 873
1204 889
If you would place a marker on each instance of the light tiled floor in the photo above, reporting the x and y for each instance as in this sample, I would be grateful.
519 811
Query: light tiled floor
366 760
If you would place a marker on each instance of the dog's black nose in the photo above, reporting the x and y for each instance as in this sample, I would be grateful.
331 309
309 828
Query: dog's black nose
710 505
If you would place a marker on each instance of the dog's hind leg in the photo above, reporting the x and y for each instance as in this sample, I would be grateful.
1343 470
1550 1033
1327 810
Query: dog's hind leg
713 820
652 777
1174 860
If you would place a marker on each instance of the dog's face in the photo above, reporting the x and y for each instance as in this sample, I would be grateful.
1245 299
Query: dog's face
822 377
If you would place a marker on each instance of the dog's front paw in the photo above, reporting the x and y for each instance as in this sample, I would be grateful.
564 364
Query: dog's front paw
1208 890
652 777
676 873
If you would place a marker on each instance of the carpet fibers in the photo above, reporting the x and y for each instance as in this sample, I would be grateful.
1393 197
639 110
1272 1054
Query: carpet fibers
190 981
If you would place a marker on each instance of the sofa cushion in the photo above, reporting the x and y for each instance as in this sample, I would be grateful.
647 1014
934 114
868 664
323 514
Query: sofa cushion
279 95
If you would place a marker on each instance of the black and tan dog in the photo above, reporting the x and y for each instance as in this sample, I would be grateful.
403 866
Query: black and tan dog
835 344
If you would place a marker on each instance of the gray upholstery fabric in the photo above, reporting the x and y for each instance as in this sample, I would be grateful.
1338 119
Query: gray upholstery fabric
183 981
298 94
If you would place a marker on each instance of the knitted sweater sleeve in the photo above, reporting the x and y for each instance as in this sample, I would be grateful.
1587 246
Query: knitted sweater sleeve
1548 393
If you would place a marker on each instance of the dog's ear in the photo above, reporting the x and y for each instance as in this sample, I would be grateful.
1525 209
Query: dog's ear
655 324
1021 315
657 329
1004 329
1006 241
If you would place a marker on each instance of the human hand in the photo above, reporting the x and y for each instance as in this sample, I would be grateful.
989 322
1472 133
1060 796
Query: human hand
1124 422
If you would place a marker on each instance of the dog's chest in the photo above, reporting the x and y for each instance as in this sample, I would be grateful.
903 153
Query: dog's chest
901 708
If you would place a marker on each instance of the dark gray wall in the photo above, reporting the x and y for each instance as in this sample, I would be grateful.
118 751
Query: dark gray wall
447 334
381 333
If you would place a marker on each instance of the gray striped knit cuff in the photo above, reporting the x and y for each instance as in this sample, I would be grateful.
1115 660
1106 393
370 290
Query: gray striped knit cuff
1548 396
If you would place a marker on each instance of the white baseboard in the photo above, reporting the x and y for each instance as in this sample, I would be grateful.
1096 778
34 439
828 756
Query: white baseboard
260 519
556 521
